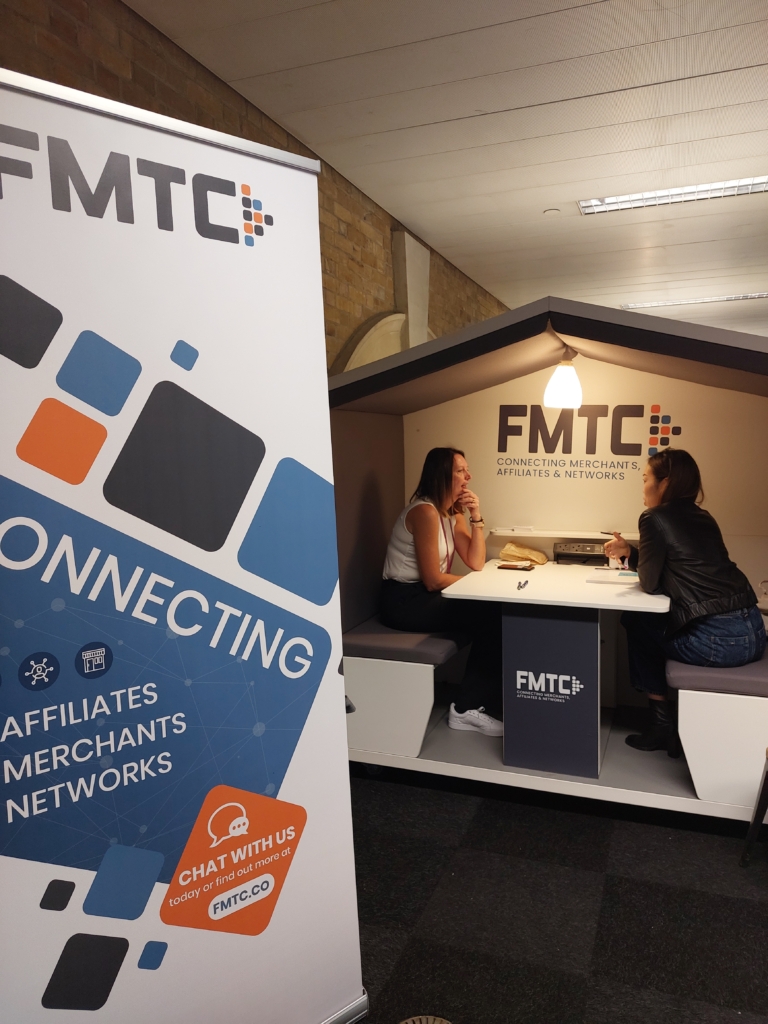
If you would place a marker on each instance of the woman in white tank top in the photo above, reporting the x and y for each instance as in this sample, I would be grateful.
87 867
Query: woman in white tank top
428 534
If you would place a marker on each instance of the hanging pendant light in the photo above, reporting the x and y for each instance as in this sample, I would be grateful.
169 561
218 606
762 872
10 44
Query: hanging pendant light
564 388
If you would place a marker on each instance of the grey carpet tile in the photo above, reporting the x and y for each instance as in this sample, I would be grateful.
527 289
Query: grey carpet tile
396 877
467 987
525 910
412 812
571 838
694 860
381 946
695 946
609 1003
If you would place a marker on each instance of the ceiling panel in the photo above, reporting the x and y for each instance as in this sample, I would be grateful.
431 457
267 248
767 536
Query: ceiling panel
467 120
486 52
562 129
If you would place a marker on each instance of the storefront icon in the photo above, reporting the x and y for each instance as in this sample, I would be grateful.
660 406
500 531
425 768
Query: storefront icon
94 660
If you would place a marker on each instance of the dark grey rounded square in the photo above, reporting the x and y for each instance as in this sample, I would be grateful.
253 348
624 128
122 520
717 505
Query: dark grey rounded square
185 468
27 324
85 972
57 895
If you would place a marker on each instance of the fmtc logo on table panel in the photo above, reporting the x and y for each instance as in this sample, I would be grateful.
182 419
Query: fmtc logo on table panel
547 685
65 173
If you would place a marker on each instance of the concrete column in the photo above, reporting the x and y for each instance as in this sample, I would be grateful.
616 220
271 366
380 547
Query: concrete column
411 271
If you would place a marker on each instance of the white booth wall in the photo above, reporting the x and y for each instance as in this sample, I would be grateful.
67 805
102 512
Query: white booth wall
577 490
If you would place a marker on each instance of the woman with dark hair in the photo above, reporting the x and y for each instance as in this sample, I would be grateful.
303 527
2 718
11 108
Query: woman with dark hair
713 617
428 533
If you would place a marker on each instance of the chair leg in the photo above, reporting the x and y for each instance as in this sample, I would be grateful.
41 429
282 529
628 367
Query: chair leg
758 816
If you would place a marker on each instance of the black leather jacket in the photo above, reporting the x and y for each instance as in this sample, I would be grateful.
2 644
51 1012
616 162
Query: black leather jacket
682 555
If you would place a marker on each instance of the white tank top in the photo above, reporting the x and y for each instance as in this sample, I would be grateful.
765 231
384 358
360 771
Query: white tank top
400 563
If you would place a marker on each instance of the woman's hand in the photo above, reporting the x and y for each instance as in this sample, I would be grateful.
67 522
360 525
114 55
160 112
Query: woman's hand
470 539
468 501
618 547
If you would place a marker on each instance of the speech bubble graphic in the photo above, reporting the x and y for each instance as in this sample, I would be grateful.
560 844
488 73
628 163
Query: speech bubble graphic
238 826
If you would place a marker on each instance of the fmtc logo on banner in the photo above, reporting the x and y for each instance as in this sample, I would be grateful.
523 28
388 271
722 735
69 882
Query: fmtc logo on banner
65 174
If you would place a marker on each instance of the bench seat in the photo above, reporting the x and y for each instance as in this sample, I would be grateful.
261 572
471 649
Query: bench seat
749 680
389 676
372 639
723 723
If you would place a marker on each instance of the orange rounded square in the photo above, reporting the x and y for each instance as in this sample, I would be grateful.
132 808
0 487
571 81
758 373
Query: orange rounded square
653 440
257 218
665 430
655 408
61 441
248 229
235 863
245 189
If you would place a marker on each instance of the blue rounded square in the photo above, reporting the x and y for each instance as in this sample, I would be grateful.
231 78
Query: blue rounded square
98 373
292 538
184 355
666 419
123 883
152 955
257 204
248 240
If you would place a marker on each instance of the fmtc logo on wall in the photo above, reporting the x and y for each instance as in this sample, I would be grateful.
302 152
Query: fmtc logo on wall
65 174
622 429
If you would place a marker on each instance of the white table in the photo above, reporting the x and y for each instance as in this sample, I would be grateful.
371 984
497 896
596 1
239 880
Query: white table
551 645
562 586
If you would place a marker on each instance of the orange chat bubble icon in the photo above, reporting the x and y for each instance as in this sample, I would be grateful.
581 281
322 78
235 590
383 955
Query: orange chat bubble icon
235 863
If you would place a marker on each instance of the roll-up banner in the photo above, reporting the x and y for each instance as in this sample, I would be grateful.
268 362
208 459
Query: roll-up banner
176 833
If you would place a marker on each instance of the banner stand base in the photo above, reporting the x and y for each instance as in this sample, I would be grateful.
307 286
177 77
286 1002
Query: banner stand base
352 1013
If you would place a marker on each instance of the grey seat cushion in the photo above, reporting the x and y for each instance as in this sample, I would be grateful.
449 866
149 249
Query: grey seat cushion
371 639
750 680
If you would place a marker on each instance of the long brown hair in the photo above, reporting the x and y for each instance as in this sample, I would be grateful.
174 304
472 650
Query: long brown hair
436 482
679 469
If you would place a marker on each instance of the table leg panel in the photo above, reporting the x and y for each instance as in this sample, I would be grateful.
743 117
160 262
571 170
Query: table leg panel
552 690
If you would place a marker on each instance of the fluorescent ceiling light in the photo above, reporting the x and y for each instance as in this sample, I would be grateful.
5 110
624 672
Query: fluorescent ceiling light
684 194
694 302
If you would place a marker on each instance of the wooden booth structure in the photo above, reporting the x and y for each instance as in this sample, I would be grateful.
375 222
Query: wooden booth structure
550 476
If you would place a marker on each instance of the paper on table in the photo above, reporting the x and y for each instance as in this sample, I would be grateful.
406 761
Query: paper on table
616 577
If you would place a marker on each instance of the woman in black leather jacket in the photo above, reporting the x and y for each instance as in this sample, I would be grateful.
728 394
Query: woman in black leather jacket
713 617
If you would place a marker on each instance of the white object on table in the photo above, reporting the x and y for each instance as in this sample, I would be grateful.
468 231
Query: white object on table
552 584
613 577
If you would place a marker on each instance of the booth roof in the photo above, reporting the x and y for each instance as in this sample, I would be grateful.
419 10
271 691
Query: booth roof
533 337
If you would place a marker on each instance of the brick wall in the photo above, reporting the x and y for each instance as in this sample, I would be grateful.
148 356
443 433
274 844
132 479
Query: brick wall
103 47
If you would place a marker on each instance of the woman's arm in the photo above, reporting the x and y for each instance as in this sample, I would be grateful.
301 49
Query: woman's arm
652 553
423 521
470 540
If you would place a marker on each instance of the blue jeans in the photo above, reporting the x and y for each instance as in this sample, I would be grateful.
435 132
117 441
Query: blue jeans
723 641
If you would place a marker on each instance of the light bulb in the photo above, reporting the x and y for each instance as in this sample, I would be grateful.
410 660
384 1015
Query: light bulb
564 388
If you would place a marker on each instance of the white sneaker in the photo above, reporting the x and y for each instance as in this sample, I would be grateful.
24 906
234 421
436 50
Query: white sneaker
475 721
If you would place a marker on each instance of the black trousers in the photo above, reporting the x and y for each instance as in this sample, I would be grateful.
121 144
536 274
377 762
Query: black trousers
414 609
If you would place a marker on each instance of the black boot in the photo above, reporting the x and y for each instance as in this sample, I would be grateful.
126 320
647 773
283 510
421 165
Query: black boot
661 733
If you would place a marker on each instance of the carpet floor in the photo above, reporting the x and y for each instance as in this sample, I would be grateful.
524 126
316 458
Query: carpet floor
489 905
